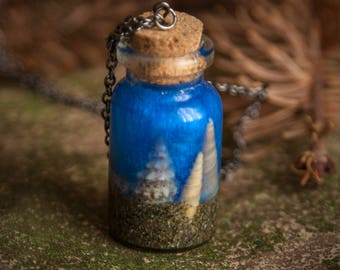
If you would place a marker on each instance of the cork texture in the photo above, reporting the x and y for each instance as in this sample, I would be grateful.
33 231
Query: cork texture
181 39
166 70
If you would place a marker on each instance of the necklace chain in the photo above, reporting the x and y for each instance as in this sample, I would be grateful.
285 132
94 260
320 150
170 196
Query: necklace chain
126 29
252 111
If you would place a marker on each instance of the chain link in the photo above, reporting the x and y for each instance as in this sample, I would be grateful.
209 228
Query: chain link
160 11
258 96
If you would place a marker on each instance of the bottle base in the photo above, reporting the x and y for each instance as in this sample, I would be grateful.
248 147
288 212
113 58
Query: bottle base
156 250
160 227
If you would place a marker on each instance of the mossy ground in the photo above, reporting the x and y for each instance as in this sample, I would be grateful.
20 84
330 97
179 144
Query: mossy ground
53 201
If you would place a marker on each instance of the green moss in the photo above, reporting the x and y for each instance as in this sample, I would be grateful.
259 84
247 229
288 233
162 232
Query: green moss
332 264
267 242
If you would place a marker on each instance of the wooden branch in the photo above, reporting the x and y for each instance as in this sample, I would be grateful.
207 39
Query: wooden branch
283 26
283 102
280 57
250 66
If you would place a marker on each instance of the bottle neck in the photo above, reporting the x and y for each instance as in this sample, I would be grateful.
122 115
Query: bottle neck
164 70
163 81
131 78
167 70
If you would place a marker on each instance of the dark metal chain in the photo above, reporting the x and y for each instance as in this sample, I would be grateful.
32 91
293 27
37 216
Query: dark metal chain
258 96
125 30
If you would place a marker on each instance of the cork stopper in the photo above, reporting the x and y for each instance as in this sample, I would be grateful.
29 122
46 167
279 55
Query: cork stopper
181 39
168 56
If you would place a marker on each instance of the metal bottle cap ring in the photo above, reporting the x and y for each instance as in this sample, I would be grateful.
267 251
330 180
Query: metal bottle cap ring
159 18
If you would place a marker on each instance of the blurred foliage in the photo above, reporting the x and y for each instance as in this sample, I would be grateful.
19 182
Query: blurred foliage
52 36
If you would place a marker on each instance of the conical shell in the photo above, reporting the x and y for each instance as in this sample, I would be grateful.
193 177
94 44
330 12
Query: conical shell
192 191
210 168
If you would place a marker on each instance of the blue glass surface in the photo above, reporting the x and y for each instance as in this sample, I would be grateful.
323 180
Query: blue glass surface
144 115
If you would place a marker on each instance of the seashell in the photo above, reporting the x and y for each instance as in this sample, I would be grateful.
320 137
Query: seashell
210 168
192 190
157 183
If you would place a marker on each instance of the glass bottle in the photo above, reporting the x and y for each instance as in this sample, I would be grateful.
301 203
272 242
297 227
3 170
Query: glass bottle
165 150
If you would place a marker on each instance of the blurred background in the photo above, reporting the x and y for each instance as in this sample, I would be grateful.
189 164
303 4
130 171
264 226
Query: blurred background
54 37
279 42
52 152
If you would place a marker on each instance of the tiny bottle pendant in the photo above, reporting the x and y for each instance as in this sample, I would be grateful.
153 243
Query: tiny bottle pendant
165 144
